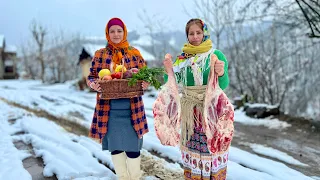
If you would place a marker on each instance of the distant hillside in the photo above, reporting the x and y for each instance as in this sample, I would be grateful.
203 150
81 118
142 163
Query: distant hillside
161 43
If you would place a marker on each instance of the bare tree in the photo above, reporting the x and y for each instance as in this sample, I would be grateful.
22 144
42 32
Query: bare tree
292 13
271 62
39 33
160 42
304 93
218 14
275 67
57 56
63 56
52 57
311 11
27 60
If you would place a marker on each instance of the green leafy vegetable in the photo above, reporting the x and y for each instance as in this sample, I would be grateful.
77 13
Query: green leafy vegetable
150 75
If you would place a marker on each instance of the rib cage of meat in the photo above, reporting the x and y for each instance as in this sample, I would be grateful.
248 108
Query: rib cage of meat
166 111
218 115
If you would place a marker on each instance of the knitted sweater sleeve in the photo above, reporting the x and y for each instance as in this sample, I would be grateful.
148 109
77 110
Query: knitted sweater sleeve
223 80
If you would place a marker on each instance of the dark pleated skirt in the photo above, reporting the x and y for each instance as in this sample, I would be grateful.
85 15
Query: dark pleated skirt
121 135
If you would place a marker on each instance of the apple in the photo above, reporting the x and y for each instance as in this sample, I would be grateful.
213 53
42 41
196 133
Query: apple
107 77
127 74
116 75
134 70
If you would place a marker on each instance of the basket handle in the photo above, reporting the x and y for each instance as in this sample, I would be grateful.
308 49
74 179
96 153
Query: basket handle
122 68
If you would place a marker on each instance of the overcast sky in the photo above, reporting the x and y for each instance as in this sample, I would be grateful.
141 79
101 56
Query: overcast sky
87 17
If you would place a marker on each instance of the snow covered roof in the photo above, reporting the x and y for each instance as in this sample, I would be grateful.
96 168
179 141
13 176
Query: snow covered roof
144 40
1 40
92 48
8 62
11 48
95 38
145 54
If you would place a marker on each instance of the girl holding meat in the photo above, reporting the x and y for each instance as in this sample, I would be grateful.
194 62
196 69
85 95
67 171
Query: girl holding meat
201 120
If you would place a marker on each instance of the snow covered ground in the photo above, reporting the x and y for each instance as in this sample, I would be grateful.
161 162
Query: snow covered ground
271 152
269 123
71 156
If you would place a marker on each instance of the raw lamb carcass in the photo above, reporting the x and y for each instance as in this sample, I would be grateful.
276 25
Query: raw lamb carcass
218 116
166 111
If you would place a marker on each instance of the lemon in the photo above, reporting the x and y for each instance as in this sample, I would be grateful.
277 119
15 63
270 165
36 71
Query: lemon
104 72
119 68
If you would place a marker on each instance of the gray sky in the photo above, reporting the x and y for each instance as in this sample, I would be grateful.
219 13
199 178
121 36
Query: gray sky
87 17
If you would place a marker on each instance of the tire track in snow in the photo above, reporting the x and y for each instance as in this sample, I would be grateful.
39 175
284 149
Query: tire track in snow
152 164
34 165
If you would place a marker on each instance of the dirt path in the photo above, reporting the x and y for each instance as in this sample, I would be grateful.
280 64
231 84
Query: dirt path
300 141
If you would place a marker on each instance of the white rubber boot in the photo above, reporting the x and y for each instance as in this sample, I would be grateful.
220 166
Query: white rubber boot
120 166
134 168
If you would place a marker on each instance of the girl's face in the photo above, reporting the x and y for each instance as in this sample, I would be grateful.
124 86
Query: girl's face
116 34
195 35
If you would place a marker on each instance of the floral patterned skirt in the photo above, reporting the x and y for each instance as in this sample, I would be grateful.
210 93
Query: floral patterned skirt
198 163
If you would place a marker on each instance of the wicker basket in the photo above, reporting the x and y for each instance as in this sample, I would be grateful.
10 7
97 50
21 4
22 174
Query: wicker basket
119 88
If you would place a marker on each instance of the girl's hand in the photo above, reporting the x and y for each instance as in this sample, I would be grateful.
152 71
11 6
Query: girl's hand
167 62
218 65
95 86
145 85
